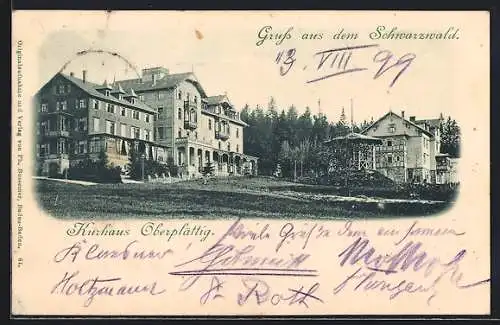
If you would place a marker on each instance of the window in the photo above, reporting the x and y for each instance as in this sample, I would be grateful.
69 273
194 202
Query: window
136 115
146 117
111 108
237 132
68 88
44 127
161 95
228 147
160 110
37 128
96 124
192 116
210 124
60 89
96 104
61 105
82 146
123 130
110 127
397 158
196 135
392 128
123 111
179 133
45 108
179 113
219 145
135 132
61 146
147 135
82 124
389 143
141 98
196 99
82 103
44 149
389 159
425 158
237 148
160 131
179 95
107 93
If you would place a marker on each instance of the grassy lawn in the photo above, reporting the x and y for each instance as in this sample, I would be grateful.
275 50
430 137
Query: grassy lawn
221 198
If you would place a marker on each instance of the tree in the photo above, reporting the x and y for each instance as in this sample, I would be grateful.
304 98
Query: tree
209 169
450 138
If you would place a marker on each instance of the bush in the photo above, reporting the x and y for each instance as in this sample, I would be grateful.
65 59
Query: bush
151 168
95 171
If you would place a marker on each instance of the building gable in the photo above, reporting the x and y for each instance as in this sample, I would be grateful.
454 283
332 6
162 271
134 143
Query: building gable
392 124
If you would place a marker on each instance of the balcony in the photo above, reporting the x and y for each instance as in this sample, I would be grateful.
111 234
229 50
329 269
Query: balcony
393 148
442 167
190 125
220 135
58 133
56 156
64 112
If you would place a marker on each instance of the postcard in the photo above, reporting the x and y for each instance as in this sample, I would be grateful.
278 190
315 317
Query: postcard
250 163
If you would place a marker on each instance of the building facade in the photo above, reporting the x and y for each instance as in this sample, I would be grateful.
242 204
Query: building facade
162 116
197 129
410 149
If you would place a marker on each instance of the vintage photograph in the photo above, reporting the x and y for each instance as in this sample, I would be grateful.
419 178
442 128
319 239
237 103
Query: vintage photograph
250 163
160 145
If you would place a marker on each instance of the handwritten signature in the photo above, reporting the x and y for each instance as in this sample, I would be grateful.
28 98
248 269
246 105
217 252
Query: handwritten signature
96 252
229 259
408 258
340 61
98 286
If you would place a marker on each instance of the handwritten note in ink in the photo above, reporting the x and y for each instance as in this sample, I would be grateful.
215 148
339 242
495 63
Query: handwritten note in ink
303 163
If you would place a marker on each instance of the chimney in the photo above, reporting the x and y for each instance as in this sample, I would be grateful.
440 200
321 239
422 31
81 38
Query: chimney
84 75
72 74
412 119
403 114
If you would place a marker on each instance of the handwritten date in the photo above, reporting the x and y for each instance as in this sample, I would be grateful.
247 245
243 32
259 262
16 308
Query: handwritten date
340 61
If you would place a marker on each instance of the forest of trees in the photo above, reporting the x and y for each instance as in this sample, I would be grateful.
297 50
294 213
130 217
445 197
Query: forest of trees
296 142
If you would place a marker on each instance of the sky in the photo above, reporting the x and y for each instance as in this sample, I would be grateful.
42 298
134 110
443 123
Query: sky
221 50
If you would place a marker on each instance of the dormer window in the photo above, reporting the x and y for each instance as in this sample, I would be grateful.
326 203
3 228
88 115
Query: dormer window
132 100
107 92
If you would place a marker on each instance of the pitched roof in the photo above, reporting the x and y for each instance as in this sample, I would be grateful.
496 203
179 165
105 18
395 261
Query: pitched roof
432 122
213 100
90 88
167 82
407 121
